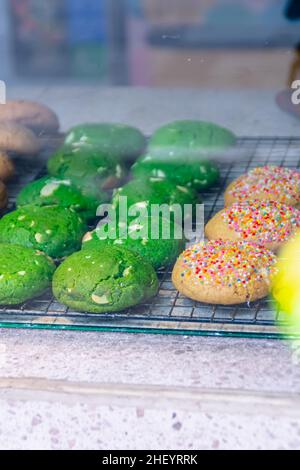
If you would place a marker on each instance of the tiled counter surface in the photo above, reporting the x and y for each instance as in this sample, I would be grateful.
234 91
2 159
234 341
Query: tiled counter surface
119 391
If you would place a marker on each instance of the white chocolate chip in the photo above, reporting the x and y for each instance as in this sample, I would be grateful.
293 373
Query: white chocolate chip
100 299
38 237
88 236
49 188
127 271
182 189
22 273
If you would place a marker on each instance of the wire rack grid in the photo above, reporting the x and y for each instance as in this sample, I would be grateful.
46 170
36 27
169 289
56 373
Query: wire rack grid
170 312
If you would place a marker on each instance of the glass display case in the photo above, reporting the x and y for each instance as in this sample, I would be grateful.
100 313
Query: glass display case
227 67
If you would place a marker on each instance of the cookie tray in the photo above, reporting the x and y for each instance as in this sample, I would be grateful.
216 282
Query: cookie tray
169 312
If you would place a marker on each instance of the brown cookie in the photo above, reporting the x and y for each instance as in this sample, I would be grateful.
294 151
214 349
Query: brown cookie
18 139
266 183
267 223
7 168
224 272
35 116
3 196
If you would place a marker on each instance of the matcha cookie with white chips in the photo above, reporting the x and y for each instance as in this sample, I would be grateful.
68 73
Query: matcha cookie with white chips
106 280
49 190
142 194
126 142
198 174
182 151
191 139
159 242
24 273
86 165
57 231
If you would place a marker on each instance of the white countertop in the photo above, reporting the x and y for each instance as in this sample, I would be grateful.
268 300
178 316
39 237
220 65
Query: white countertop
99 390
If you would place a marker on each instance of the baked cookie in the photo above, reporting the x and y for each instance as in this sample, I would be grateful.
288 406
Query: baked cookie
190 139
156 242
54 230
106 280
224 272
198 174
18 139
266 183
86 167
142 194
49 191
125 142
7 168
267 223
35 116
3 196
24 273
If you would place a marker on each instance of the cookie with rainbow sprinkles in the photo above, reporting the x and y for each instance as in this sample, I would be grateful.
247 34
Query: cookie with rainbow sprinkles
268 223
266 183
224 272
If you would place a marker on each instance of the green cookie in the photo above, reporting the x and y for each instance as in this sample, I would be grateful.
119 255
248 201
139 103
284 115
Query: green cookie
125 142
142 194
24 273
180 150
198 175
106 280
156 242
89 169
49 191
193 139
55 230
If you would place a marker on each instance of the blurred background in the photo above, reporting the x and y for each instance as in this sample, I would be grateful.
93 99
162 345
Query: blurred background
191 43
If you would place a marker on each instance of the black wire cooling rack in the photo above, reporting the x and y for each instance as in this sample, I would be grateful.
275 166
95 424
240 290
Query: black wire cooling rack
170 312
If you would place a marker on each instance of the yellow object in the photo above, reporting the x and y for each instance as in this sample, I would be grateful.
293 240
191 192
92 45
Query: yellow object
286 282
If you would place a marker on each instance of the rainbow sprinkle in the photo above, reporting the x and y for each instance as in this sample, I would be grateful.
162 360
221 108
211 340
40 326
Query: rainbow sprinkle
274 182
268 221
225 263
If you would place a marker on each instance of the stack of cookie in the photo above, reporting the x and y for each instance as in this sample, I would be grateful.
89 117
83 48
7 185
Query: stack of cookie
238 262
25 272
21 125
